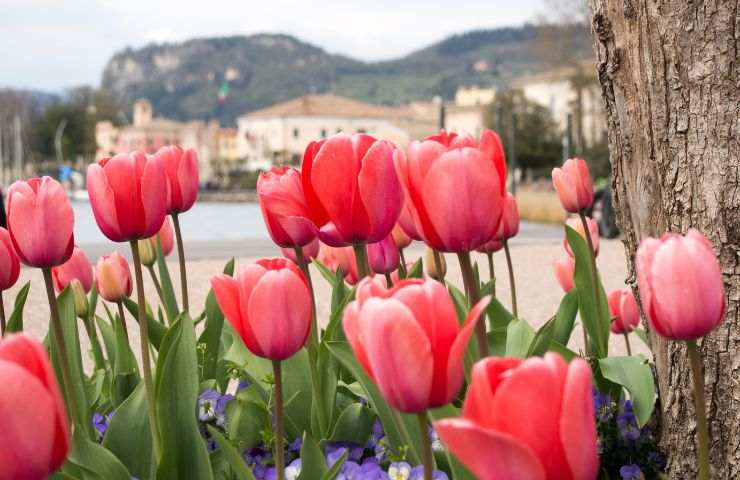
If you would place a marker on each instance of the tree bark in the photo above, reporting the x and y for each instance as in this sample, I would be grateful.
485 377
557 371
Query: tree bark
669 71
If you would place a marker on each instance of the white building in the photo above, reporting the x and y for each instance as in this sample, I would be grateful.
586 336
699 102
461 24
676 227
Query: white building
280 133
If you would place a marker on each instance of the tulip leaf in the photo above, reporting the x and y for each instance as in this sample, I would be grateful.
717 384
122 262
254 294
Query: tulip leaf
109 336
564 351
313 463
125 369
519 336
94 461
184 453
89 322
636 376
594 312
156 330
245 419
129 437
335 469
168 292
498 315
565 317
324 270
416 270
15 322
232 456
457 469
497 341
354 425
542 339
211 336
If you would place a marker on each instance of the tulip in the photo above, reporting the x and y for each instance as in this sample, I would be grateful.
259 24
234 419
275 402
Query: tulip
427 372
565 269
33 420
113 277
40 221
343 258
509 225
490 143
507 431
148 246
401 239
352 189
128 194
574 186
406 222
284 207
383 256
436 265
683 298
78 268
310 250
181 169
577 225
624 311
10 269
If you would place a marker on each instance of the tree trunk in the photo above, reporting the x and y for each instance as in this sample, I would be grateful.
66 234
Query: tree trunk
669 71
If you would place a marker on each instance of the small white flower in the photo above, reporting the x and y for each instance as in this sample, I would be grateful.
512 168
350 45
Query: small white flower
399 471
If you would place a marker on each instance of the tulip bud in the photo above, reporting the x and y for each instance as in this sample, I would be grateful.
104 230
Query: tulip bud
431 265
147 251
624 312
81 304
573 184
383 256
577 225
509 225
113 277
565 269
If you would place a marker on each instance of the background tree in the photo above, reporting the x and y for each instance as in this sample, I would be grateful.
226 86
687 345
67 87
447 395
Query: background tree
670 76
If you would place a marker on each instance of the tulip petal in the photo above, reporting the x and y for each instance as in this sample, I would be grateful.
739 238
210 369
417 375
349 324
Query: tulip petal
380 191
490 144
566 191
486 375
457 351
102 200
153 197
331 236
121 172
490 455
577 423
226 291
355 335
187 177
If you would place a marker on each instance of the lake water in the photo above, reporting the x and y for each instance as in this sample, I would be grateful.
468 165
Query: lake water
205 221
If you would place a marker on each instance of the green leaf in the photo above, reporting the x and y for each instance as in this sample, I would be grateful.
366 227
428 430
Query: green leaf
460 301
458 470
635 375
15 322
324 270
565 317
125 368
497 341
332 473
498 315
594 314
541 341
246 419
211 335
564 351
232 456
354 425
642 335
168 293
184 453
416 270
96 462
109 336
156 330
519 336
313 463
129 436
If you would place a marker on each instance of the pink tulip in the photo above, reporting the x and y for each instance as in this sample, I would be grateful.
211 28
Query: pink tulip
401 239
268 304
309 251
577 225
33 421
113 277
166 237
352 189
340 257
181 169
624 311
491 246
383 256
10 267
509 225
78 268
490 144
128 194
573 184
565 269
681 286
40 221
284 207
527 419
455 195
427 370
406 222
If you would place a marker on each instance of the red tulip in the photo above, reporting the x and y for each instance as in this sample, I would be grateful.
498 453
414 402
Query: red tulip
352 189
181 169
526 419
309 251
33 420
455 196
624 312
573 184
509 225
78 268
565 269
680 285
490 143
383 256
269 306
577 225
113 277
128 194
40 221
426 370
284 207
10 267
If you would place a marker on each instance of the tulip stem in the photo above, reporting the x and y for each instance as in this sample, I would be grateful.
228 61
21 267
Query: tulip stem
279 433
402 267
471 287
2 314
388 280
491 271
313 346
363 268
512 283
155 281
438 265
594 274
122 319
426 446
61 349
627 343
181 258
701 416
144 340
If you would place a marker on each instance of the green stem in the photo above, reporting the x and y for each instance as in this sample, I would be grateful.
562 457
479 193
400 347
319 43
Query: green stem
2 314
313 346
594 274
155 281
388 280
702 430
181 258
402 267
466 267
426 446
627 342
512 283
363 268
491 271
438 265
122 319
279 432
145 361
64 365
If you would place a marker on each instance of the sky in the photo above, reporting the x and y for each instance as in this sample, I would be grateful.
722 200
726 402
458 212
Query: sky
55 44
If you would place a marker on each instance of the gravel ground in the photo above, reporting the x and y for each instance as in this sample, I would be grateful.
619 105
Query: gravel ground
539 293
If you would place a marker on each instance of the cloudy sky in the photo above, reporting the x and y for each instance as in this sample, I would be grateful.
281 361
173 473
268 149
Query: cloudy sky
53 44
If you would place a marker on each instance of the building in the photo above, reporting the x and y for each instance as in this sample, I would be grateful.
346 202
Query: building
148 133
280 133
468 96
468 113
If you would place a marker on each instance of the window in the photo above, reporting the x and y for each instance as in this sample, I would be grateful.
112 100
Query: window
323 133
296 132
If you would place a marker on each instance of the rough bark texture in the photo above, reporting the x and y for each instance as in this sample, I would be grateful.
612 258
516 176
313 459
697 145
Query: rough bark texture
669 70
